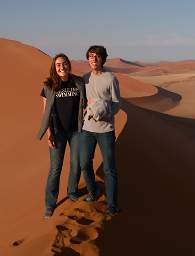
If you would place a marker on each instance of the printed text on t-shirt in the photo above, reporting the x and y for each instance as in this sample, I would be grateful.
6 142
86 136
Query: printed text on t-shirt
67 92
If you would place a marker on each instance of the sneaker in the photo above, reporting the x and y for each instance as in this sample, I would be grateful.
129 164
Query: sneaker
48 213
112 210
73 197
93 197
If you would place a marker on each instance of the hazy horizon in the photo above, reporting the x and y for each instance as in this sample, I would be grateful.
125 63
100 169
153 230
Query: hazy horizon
135 31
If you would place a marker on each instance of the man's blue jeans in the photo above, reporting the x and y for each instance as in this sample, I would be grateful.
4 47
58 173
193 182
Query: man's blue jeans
106 142
56 163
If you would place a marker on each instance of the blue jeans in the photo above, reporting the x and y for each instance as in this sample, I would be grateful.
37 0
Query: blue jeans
106 142
56 163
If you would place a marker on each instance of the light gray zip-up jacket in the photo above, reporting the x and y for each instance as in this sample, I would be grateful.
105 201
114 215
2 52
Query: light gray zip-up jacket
50 96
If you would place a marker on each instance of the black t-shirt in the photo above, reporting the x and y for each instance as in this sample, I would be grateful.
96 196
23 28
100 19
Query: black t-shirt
66 106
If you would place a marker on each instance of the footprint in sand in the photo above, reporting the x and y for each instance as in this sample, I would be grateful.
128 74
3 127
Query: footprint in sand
85 234
79 228
17 242
82 220
65 251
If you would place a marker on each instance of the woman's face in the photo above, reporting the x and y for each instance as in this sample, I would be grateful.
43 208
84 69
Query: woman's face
62 68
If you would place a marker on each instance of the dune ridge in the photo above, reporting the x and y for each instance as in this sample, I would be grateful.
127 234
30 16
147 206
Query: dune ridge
154 157
166 67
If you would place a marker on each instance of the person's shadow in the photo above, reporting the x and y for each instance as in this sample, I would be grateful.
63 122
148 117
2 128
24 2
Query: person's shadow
156 165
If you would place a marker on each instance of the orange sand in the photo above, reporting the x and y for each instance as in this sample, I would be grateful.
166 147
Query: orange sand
155 159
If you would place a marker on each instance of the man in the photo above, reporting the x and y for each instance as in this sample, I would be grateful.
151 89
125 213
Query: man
103 97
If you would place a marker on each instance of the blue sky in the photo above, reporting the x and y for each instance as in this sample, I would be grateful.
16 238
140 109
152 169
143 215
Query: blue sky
147 30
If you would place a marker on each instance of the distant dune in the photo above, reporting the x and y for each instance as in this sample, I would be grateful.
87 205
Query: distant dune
80 67
123 66
161 68
130 87
154 158
179 97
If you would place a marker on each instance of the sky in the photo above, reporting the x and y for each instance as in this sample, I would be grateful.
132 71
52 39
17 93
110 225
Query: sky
139 30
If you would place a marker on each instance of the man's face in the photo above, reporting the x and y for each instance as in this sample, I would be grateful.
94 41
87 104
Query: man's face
62 67
95 61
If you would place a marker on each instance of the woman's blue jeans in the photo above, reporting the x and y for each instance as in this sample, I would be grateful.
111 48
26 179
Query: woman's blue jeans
56 163
106 142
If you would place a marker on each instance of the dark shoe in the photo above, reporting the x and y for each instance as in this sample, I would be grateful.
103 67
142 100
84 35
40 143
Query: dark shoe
48 213
73 197
112 210
93 196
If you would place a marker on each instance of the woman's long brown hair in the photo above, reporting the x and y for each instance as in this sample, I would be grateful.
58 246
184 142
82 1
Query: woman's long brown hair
54 81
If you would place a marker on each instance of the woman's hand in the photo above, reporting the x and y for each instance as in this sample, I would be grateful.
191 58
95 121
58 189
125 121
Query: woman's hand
51 142
50 139
84 112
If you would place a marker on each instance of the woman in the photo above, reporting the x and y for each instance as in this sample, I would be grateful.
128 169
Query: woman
63 102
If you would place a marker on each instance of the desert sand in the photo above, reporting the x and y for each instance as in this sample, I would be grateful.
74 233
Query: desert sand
175 93
154 149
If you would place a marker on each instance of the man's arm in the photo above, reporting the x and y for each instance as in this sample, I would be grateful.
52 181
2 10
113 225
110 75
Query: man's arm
115 93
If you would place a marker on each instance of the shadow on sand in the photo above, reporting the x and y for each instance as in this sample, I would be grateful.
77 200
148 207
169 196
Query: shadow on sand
163 101
156 162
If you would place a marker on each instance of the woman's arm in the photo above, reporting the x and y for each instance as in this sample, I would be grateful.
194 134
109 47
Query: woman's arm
50 139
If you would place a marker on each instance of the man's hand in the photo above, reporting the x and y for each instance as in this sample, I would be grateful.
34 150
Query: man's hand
90 100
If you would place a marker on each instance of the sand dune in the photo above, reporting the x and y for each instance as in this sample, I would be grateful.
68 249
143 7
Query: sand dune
154 157
24 160
156 196
129 86
116 65
163 101
80 67
179 97
122 66
161 68
164 79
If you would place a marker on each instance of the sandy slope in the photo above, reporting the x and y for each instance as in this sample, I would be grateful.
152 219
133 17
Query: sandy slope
129 86
155 158
163 79
121 66
24 160
165 67
175 95
156 184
